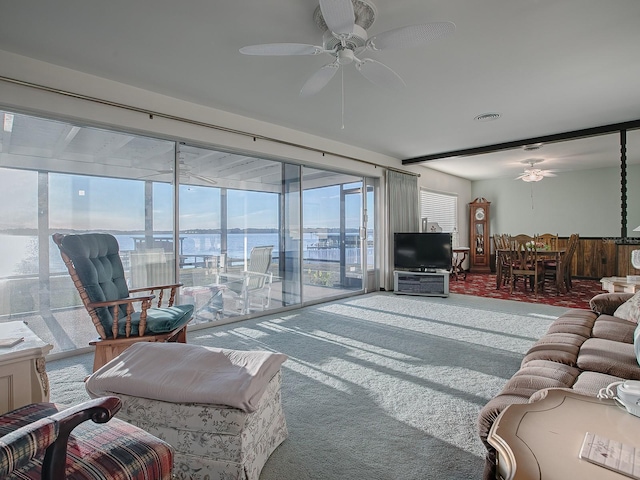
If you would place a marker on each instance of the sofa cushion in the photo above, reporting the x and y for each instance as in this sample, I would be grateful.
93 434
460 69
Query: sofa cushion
575 321
636 343
609 357
608 302
590 383
613 328
629 310
555 347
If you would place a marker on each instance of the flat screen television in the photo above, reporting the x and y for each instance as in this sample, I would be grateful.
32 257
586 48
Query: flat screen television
422 251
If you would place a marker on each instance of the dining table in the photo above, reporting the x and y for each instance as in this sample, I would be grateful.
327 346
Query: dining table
543 253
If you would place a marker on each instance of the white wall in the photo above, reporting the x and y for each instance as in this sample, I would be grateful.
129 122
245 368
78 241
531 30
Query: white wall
587 202
441 182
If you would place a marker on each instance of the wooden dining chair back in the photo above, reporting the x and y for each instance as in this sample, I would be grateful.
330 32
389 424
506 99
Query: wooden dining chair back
94 264
549 239
525 264
501 249
567 260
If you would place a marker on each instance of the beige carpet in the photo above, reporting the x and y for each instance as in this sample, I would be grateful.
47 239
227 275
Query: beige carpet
376 386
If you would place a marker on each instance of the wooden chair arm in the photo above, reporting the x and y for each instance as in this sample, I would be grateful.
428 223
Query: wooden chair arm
99 410
156 287
145 303
120 301
173 287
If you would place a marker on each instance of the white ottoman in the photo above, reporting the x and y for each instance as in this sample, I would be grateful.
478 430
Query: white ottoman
210 440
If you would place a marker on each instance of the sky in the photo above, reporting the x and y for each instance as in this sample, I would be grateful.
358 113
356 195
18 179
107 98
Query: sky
98 203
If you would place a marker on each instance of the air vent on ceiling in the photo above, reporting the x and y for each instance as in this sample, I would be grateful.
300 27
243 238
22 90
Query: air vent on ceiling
531 147
487 117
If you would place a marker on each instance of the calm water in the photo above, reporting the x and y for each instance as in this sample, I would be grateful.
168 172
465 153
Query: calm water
19 254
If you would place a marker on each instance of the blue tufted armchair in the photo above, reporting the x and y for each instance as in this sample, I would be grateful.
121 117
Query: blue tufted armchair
94 263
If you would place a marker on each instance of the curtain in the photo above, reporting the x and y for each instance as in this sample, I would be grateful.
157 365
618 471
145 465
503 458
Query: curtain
403 212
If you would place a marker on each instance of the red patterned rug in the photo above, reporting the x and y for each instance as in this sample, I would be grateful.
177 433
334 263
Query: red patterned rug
484 285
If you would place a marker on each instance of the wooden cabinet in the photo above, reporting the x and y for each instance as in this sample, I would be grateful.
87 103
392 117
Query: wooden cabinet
480 238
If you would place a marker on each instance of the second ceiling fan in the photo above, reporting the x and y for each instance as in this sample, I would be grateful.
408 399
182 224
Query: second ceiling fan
345 24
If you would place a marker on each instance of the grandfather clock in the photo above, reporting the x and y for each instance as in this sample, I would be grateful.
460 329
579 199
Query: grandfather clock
480 241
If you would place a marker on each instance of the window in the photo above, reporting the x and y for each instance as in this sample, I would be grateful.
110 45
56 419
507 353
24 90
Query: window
179 212
441 208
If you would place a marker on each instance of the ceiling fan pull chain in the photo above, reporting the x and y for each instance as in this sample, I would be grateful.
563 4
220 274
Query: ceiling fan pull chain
531 195
342 113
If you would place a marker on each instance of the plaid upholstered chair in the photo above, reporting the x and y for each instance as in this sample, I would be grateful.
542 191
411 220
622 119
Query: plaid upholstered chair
41 441
94 263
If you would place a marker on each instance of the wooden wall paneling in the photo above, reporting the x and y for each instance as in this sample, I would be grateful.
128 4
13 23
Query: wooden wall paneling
624 260
594 258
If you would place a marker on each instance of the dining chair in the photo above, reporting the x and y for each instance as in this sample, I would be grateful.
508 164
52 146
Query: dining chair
572 246
524 262
501 248
549 239
558 269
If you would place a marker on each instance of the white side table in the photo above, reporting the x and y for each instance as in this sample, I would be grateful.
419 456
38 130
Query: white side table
23 375
620 284
542 440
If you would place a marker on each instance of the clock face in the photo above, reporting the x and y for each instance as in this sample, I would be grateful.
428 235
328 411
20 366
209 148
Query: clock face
480 214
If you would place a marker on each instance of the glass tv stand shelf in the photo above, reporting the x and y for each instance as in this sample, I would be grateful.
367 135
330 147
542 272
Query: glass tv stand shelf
434 284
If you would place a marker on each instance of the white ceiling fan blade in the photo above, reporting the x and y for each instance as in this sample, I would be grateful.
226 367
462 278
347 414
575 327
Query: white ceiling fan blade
203 179
410 36
379 74
338 15
282 49
319 80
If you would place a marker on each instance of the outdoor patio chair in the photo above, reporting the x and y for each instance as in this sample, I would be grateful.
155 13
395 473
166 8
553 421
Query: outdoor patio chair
94 263
252 286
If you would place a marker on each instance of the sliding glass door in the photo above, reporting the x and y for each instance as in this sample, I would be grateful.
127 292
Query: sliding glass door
333 259
244 235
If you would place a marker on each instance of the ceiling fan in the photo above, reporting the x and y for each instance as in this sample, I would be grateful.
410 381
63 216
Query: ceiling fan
185 174
534 174
345 38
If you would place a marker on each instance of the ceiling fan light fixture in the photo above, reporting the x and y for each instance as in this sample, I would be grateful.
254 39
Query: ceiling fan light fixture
532 176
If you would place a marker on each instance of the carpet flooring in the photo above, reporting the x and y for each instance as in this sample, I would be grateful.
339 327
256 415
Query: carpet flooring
378 386
484 285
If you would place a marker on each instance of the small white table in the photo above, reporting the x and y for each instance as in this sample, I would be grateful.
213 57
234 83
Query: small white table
620 284
23 375
542 440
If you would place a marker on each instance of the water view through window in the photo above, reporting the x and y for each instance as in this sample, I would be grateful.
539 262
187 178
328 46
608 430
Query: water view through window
244 235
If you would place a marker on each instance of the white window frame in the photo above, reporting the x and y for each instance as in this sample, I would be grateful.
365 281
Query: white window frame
440 207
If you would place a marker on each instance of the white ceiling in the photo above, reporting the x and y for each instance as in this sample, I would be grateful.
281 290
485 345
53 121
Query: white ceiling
546 66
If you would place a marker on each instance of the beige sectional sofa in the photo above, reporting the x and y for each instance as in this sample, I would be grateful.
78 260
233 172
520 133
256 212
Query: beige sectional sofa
583 350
